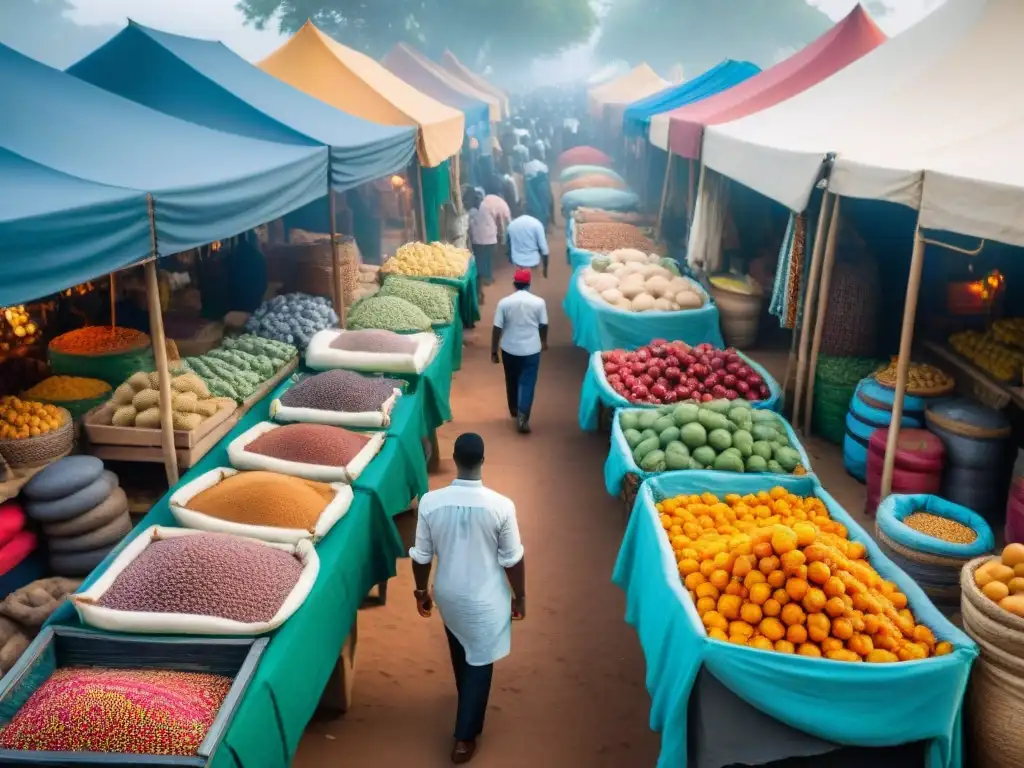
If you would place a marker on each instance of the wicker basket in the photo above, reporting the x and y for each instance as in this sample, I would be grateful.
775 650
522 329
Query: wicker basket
996 693
40 451
853 305
309 267
630 487
938 576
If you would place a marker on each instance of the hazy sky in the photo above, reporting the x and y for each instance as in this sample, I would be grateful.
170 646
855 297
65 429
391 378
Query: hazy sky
218 19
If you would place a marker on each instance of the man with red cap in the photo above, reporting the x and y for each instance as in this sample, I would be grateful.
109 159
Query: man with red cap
521 332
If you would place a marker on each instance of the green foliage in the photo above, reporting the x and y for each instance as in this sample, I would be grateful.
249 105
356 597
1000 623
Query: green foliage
44 30
700 33
496 32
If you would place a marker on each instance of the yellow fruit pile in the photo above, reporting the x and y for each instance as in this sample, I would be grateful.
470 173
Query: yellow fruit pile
773 571
19 328
982 349
1001 579
920 376
1009 331
423 260
21 419
68 388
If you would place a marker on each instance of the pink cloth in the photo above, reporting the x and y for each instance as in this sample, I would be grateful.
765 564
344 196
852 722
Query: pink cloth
846 42
485 223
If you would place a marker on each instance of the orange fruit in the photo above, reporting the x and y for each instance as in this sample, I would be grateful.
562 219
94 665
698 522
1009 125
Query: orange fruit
762 643
898 600
713 619
707 567
736 588
809 649
841 628
783 540
856 551
729 606
796 634
754 577
776 579
878 656
688 566
738 639
818 572
843 655
796 589
740 628
751 613
818 627
835 607
792 614
834 587
771 607
772 629
693 580
831 644
784 646
720 579
924 635
912 652
944 648
860 644
781 595
717 634
814 601
805 534
763 549
792 560
742 566
768 564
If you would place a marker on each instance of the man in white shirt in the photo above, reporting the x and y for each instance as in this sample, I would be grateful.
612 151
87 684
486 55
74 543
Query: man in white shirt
480 585
488 220
528 243
521 330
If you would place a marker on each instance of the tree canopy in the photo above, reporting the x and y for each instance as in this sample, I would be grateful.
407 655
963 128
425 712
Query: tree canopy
41 29
497 32
700 33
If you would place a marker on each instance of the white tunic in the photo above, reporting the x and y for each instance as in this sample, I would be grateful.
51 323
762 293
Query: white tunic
474 534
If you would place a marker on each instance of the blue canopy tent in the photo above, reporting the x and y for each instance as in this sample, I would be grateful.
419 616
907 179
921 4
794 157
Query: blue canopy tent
637 117
204 82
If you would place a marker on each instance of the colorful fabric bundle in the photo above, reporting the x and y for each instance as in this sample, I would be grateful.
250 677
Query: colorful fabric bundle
796 272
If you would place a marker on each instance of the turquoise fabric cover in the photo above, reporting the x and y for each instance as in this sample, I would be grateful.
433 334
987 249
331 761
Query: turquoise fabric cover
596 392
600 197
896 507
871 705
575 171
598 326
575 257
620 458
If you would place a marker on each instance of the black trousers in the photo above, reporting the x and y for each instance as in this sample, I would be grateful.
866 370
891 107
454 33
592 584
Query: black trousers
474 687
520 381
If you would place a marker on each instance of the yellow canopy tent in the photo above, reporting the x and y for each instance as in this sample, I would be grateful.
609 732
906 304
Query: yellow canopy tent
676 74
638 83
402 56
452 64
354 83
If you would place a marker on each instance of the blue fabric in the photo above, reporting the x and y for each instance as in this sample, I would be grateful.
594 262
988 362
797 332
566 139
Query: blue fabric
895 508
538 197
852 704
598 326
204 82
620 458
596 392
206 185
520 381
575 171
637 117
777 303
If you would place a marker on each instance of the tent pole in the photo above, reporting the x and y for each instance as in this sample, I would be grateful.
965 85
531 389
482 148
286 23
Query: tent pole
819 324
903 361
664 193
113 301
423 210
159 342
339 295
689 194
803 332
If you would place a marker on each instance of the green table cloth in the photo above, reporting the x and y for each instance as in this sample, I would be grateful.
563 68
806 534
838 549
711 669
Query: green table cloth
469 292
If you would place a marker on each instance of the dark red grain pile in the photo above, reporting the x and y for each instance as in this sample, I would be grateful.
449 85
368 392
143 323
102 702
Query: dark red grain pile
310 444
343 391
374 340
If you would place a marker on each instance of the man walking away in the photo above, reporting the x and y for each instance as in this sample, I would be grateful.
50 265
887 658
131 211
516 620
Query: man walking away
521 330
528 243
473 533
487 225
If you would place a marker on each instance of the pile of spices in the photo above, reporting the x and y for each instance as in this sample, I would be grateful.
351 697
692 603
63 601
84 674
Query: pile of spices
343 391
374 340
265 498
940 527
137 711
310 444
99 340
207 574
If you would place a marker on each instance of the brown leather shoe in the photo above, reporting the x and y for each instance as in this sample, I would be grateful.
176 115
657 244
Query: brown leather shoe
463 751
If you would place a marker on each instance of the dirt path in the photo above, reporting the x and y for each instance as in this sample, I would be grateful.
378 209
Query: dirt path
572 692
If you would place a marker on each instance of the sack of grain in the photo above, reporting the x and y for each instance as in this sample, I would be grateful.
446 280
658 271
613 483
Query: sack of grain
318 452
182 587
341 398
371 350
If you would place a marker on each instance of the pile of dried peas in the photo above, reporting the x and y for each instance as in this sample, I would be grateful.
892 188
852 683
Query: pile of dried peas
939 527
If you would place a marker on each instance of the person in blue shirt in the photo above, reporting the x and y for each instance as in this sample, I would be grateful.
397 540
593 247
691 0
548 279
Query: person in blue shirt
527 243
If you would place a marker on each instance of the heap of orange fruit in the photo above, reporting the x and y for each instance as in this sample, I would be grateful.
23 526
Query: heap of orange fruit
20 419
774 571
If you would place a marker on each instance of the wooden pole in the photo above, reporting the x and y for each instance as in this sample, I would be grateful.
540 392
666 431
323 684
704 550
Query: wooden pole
810 297
159 342
903 362
457 189
113 300
819 323
423 210
664 193
339 295
689 194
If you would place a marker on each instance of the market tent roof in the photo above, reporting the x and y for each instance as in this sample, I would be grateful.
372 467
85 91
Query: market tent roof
354 83
607 73
406 62
206 184
639 82
682 130
677 74
452 64
637 116
204 82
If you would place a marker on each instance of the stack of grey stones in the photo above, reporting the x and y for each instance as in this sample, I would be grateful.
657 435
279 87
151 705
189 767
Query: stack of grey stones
82 510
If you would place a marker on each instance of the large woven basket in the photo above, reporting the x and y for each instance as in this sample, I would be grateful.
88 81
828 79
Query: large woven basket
996 693
41 450
938 576
853 305
630 486
309 267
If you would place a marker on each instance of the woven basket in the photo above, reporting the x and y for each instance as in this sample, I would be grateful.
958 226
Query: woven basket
630 487
853 303
77 408
309 267
996 692
41 450
938 576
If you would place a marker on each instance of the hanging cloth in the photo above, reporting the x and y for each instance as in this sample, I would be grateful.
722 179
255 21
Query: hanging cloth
777 305
704 251
795 280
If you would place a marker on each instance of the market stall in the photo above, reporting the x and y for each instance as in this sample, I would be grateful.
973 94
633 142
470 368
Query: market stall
451 64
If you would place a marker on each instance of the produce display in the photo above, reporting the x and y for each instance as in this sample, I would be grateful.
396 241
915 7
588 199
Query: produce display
423 260
292 318
136 711
940 527
340 390
137 402
19 328
99 340
22 419
921 377
67 389
774 571
367 282
634 281
265 498
434 300
724 435
375 340
319 444
1001 579
1009 331
238 368
986 351
610 236
388 313
585 215
665 372
206 574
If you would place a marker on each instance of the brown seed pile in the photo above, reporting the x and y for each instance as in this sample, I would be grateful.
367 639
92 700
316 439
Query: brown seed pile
310 444
265 498
343 391
940 527
374 340
134 711
605 237
206 574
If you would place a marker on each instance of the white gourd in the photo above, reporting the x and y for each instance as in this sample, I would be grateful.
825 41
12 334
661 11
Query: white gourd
643 302
632 288
657 286
605 282
689 300
624 304
612 296
629 255
675 306
653 258
677 284
663 305
589 277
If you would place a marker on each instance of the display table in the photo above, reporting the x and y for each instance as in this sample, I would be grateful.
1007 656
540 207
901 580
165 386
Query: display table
839 702
469 296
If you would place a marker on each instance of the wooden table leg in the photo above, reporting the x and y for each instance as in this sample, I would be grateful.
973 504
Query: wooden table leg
434 457
336 699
